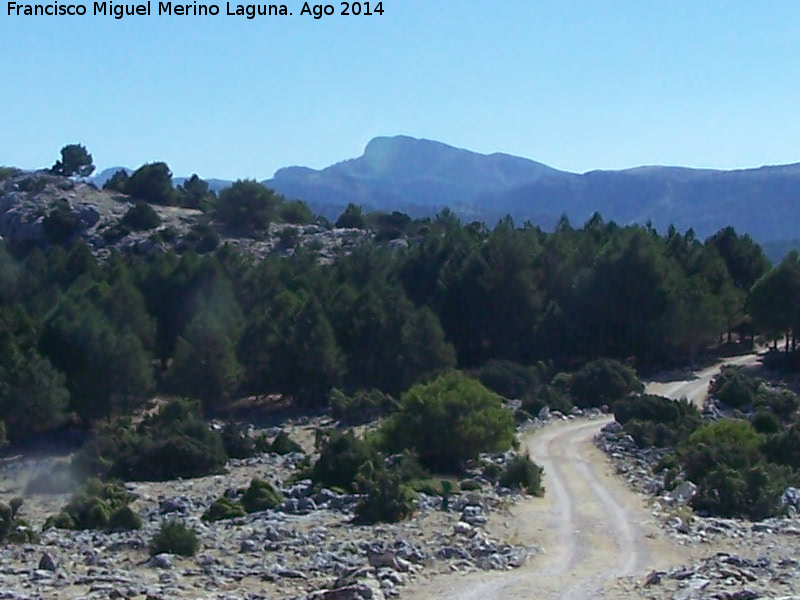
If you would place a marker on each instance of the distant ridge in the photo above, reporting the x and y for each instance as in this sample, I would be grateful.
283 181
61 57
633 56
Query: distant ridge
421 177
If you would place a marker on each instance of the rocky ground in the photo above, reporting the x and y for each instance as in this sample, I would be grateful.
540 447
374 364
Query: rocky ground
27 198
305 548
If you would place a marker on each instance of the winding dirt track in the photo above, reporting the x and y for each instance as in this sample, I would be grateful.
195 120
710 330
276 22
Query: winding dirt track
593 526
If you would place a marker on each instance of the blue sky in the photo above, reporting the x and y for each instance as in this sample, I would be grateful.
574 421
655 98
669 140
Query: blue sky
578 85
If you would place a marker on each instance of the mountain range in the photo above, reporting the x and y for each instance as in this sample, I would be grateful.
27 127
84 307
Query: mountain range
421 177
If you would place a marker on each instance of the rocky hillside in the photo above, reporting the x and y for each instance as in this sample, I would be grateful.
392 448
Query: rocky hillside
306 548
38 208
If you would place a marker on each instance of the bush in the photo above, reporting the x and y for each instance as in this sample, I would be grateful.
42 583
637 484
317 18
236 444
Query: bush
449 421
547 395
141 217
97 505
238 444
152 183
295 212
60 225
260 496
783 403
124 519
603 382
733 478
340 459
224 508
175 537
8 173
247 205
202 238
363 407
352 217
657 421
509 379
387 499
174 443
523 473
12 528
766 422
283 444
733 388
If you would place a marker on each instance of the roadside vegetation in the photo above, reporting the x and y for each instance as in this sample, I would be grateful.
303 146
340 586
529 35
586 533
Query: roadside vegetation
741 462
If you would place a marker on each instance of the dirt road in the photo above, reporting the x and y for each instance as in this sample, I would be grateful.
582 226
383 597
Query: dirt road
593 526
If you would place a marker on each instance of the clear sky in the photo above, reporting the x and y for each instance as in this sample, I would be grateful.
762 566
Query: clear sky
578 85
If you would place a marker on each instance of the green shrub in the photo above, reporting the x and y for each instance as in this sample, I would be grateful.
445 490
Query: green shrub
124 519
469 485
657 421
724 459
509 379
351 217
341 457
363 407
141 217
733 388
387 499
523 473
766 422
60 225
12 528
7 173
783 448
247 205
260 496
152 183
173 443
449 421
238 444
283 444
202 238
224 508
97 505
603 381
295 212
547 395
783 403
174 537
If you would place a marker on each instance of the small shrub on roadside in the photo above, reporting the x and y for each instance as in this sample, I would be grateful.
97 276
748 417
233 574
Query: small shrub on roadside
733 388
510 379
603 381
174 537
657 421
522 473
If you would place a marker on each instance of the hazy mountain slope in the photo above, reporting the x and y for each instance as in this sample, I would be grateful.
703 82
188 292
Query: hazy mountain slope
762 202
400 171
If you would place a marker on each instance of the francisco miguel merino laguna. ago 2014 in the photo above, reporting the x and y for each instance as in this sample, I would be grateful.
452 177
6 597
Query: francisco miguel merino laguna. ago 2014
249 11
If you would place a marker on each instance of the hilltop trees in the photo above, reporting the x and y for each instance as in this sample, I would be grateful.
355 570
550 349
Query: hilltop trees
75 160
247 205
